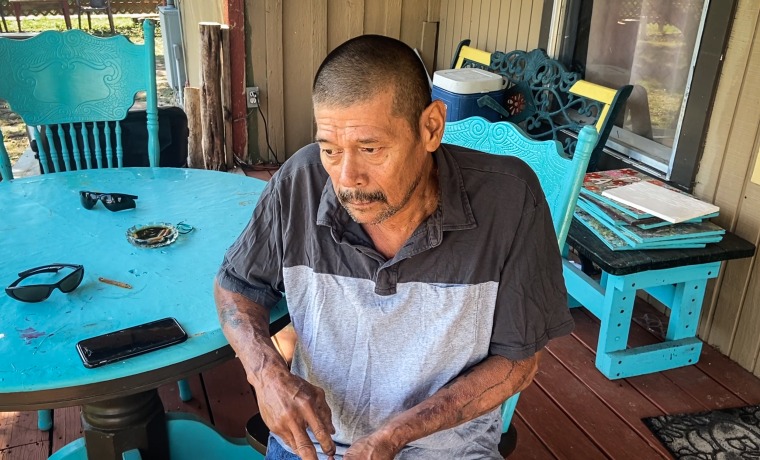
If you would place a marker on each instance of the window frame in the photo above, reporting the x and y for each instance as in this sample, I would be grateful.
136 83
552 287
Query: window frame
680 168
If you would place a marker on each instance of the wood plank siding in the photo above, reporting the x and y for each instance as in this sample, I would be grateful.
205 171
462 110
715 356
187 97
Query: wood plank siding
731 314
492 25
289 39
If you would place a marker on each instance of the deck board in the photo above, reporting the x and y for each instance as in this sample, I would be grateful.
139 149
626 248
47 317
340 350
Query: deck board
230 397
554 427
169 394
657 388
620 396
67 426
614 435
20 438
529 445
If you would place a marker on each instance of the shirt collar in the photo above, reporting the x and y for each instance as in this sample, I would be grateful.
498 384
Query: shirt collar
454 211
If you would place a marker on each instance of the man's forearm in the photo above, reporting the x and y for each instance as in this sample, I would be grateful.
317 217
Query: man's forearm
246 326
473 393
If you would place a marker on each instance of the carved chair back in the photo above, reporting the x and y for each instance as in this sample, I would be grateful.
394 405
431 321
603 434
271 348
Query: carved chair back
73 89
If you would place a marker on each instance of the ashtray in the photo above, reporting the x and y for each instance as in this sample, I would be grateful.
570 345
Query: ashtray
153 235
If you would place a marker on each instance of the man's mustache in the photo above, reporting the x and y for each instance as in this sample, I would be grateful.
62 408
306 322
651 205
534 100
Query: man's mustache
348 197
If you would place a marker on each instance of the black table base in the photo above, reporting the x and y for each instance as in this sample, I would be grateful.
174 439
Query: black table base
121 424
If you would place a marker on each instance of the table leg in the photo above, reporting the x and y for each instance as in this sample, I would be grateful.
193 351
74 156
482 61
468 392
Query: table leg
121 424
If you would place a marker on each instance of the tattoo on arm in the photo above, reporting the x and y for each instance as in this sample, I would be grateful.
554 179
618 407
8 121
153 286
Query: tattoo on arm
229 316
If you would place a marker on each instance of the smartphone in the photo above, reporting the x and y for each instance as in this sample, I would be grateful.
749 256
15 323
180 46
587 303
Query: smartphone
129 342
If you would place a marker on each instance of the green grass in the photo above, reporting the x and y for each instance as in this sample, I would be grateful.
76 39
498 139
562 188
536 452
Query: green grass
14 129
123 25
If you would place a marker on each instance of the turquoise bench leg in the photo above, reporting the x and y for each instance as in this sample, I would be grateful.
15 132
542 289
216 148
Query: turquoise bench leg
133 454
508 411
45 419
681 289
185 393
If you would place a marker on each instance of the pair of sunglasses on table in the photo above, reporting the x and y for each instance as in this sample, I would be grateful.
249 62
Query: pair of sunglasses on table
40 292
112 201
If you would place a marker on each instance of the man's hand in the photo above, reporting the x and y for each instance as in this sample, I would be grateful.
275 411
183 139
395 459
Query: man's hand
372 447
473 393
289 405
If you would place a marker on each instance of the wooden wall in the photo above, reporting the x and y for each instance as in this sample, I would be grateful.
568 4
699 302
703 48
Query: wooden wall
492 25
288 40
731 314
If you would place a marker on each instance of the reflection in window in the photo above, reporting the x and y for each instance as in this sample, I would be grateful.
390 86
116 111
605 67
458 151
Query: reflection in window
646 43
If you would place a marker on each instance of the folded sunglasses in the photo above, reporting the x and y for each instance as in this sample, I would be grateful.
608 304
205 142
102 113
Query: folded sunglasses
112 201
40 292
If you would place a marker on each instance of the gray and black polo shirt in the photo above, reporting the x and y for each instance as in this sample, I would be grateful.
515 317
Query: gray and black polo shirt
482 275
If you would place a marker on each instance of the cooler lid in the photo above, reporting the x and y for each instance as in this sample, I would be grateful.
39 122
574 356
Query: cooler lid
468 81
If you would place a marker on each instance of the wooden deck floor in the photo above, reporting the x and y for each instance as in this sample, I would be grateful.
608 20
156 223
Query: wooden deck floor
570 412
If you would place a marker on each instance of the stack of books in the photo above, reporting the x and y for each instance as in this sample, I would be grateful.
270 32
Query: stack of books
629 210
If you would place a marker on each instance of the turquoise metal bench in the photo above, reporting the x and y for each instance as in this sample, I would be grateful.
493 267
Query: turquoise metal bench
560 177
545 99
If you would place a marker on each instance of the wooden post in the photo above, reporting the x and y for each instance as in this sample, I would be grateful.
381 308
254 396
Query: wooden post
229 155
195 132
211 97
234 15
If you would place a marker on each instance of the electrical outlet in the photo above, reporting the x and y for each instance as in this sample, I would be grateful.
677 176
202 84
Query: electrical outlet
252 97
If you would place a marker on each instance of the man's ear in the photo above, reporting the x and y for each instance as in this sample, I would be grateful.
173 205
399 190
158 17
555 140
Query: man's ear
432 123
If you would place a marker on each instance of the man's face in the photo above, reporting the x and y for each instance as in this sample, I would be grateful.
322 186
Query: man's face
373 158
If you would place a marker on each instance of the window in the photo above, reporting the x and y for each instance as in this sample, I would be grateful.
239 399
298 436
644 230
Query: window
671 51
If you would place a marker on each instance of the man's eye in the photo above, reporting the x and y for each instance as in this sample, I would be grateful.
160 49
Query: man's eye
368 149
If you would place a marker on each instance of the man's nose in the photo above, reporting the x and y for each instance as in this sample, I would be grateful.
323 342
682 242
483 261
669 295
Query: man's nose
351 174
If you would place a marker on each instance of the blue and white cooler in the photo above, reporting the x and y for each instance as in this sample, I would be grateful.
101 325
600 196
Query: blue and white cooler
460 90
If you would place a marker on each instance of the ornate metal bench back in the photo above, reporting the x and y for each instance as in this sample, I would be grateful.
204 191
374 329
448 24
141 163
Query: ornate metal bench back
539 96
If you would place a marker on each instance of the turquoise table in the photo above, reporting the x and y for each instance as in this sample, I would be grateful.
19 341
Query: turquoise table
43 222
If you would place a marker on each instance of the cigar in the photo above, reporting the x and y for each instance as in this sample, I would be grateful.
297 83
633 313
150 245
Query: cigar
114 283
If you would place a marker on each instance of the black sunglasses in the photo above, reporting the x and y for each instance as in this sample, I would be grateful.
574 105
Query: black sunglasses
40 292
112 201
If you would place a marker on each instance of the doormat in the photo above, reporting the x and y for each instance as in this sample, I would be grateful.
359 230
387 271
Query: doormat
721 434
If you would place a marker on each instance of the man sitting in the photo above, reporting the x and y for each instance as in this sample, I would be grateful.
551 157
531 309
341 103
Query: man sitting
422 279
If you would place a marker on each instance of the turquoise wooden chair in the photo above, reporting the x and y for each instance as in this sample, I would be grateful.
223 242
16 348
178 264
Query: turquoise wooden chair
560 177
5 163
73 89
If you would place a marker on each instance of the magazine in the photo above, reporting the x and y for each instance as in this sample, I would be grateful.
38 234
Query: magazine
669 205
615 243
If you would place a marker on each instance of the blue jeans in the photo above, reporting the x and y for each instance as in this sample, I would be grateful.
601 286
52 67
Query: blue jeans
276 452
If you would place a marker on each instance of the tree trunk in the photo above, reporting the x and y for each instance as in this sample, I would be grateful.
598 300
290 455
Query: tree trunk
195 131
211 97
